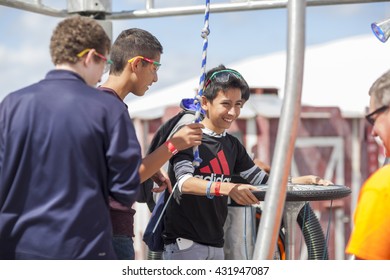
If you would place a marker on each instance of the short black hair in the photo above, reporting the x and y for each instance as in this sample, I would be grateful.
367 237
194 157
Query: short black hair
212 87
130 43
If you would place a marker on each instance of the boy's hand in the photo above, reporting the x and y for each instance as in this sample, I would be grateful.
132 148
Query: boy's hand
188 136
311 180
161 178
242 194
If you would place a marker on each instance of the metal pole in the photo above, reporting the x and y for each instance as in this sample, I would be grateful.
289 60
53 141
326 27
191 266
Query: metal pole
356 162
227 7
149 4
288 125
150 11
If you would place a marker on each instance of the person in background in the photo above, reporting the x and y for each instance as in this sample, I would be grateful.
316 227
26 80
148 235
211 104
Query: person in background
136 57
64 148
370 237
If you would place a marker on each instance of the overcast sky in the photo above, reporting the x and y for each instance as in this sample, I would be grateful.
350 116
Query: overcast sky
24 36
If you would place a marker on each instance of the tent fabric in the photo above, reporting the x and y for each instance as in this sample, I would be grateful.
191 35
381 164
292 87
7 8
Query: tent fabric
337 73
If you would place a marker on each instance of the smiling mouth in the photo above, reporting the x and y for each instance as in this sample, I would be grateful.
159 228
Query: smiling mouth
228 120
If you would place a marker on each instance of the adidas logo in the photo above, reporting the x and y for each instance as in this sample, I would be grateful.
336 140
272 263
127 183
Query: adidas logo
217 166
214 178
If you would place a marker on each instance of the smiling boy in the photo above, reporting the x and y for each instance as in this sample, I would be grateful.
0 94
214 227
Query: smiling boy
194 220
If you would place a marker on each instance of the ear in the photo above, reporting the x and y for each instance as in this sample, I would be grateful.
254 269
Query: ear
89 57
204 103
135 64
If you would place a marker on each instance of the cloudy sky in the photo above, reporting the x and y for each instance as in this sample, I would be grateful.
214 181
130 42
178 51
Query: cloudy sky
24 36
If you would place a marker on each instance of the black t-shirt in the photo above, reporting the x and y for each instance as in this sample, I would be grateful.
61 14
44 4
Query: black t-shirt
199 218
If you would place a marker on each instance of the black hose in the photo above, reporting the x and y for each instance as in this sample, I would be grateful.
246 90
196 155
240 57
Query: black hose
152 255
317 248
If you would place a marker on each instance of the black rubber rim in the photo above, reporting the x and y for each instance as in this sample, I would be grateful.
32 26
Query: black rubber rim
308 192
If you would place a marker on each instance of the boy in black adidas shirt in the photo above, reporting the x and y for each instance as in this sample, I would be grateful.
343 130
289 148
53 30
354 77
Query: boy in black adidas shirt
195 218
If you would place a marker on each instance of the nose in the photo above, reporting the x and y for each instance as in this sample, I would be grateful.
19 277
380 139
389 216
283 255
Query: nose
233 111
155 77
373 132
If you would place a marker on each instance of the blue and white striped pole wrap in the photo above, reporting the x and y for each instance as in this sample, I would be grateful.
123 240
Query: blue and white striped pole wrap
197 99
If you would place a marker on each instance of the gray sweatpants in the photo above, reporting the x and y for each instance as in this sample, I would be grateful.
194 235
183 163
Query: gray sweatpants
195 251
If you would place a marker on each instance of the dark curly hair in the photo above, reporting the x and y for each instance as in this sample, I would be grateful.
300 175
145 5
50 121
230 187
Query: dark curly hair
75 34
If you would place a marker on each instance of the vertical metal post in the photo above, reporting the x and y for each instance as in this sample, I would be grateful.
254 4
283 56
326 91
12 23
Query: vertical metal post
149 4
288 125
291 212
355 162
339 233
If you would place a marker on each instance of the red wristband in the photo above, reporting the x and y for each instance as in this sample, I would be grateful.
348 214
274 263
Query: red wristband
217 189
171 147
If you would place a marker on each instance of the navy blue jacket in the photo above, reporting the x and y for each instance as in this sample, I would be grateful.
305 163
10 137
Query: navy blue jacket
64 148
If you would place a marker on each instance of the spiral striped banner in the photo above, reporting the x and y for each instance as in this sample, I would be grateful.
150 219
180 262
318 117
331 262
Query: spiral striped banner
197 99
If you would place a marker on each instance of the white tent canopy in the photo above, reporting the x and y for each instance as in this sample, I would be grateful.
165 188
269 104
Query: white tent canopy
337 73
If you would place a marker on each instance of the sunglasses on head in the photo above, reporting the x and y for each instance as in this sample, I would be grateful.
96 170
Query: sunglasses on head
222 76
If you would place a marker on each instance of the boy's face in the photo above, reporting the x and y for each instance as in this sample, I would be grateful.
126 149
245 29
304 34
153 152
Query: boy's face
146 76
223 110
